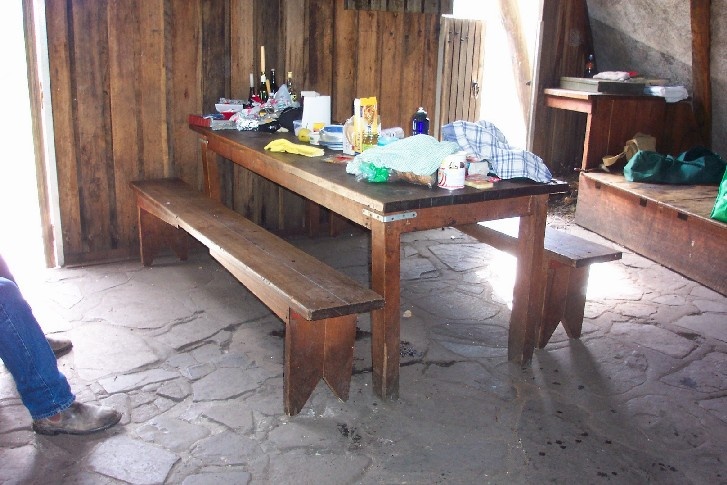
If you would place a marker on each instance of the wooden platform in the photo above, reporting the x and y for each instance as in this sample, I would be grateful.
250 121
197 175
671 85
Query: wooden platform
669 224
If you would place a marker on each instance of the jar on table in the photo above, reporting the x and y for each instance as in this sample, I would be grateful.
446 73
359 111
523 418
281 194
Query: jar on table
369 140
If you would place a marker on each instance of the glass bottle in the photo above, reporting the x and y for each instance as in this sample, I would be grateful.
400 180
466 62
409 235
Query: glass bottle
252 93
369 140
420 122
273 83
289 83
263 89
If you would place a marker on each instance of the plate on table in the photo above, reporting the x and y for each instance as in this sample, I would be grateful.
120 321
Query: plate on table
332 145
332 134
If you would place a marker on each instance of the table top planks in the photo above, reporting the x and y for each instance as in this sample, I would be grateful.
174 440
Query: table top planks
248 148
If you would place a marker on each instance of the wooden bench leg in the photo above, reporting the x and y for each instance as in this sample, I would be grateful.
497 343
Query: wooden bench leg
565 301
575 302
317 350
155 235
556 288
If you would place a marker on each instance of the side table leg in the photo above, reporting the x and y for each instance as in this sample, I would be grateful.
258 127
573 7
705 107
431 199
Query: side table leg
595 142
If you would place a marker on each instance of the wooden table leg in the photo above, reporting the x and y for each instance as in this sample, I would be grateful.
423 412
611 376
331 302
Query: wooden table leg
385 331
595 143
530 278
313 218
211 173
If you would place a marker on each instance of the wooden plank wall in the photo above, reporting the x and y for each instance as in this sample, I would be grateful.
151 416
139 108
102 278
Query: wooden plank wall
416 6
391 55
125 75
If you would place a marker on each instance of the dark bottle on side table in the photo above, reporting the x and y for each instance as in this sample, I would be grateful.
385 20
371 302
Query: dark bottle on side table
590 68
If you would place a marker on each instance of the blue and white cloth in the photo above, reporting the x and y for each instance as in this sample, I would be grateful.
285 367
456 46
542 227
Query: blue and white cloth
486 142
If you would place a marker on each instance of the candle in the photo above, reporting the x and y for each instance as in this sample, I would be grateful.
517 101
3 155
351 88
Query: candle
262 58
252 81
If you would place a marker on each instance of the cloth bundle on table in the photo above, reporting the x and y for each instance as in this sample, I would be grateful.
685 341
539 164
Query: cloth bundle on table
484 140
419 154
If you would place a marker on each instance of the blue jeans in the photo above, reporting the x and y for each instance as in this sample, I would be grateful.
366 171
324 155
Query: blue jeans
27 355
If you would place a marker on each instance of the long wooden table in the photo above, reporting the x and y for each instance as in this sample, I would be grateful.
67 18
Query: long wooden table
389 210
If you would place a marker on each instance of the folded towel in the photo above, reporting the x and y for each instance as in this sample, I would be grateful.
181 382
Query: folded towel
612 75
282 145
671 94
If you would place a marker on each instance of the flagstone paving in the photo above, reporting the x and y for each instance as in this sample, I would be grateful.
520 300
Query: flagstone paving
195 364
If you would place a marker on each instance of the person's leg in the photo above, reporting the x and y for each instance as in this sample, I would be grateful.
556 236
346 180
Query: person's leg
25 352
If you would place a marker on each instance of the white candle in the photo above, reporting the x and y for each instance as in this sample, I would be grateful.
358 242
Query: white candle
262 58
252 81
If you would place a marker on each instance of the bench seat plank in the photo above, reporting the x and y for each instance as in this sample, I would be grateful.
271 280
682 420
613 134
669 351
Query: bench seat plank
566 248
315 290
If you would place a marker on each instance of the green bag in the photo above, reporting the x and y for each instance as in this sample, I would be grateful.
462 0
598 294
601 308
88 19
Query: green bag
719 211
696 166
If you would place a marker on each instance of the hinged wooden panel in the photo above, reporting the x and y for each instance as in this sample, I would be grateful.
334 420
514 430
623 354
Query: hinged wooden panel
460 71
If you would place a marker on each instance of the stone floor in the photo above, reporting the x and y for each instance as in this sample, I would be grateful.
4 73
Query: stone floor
194 362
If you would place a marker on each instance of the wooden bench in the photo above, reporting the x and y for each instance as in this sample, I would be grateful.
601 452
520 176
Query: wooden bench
567 259
317 303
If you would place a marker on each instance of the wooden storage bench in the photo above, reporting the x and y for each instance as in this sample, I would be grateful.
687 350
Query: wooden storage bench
567 259
317 303
669 224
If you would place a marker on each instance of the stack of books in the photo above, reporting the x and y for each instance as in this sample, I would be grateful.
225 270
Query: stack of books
214 121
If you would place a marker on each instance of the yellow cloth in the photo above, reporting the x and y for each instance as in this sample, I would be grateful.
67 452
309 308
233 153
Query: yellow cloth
282 145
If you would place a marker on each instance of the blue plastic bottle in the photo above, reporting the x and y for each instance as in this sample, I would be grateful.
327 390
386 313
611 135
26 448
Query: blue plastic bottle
420 122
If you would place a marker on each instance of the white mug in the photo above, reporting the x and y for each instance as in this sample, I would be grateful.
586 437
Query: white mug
452 171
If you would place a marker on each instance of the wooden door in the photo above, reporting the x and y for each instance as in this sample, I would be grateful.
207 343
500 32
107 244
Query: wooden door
459 75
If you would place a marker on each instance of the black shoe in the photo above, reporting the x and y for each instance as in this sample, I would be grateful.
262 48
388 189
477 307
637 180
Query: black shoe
78 419
59 346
